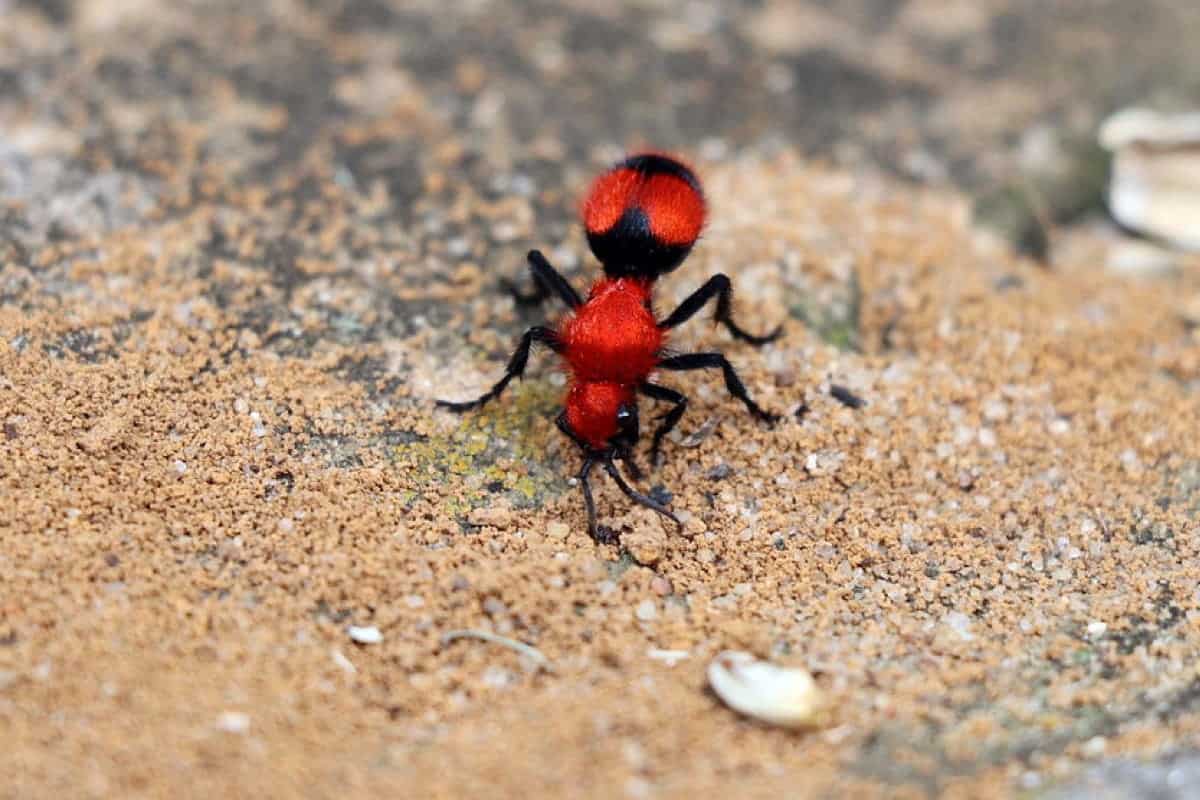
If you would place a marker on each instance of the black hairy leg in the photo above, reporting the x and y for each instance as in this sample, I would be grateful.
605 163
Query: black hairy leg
733 383
717 286
515 369
669 419
546 281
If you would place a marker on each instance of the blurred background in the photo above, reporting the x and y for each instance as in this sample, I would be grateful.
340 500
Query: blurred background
244 244
995 96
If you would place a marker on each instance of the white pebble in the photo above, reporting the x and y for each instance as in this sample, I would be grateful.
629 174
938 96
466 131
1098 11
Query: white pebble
368 635
233 722
344 663
668 657
1096 628
995 411
786 696
646 611
960 623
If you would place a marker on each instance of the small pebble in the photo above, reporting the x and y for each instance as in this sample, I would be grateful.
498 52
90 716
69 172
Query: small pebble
785 696
366 635
646 546
845 396
646 611
719 472
233 722
345 664
668 657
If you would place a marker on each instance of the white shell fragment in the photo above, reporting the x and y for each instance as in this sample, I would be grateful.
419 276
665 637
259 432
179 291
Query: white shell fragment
1155 184
784 696
369 635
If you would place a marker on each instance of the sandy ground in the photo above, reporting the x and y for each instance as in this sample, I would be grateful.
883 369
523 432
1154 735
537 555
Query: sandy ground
234 279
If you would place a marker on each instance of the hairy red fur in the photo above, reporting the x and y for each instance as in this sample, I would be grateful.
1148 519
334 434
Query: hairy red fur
612 343
608 198
675 209
592 409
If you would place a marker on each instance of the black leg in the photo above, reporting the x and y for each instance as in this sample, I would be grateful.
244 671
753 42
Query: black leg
546 281
669 420
638 497
628 433
717 286
561 422
732 382
589 461
588 502
515 368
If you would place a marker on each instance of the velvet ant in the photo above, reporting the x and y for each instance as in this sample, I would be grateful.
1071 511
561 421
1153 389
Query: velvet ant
642 218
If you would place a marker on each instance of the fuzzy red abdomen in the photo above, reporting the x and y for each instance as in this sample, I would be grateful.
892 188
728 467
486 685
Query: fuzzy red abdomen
613 337
592 410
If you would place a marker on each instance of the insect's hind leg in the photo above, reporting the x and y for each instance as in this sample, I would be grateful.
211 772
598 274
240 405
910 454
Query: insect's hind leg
669 419
733 383
637 496
515 369
589 502
546 281
717 286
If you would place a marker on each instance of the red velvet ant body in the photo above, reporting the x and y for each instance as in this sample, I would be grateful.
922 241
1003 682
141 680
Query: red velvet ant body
642 218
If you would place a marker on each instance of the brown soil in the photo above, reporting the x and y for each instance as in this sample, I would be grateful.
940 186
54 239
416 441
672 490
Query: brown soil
220 451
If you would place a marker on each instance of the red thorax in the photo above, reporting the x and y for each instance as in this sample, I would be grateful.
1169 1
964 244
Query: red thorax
611 344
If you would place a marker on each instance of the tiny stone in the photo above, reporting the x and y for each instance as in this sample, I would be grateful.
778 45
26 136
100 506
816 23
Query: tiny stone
496 677
719 472
494 608
960 623
661 586
725 602
367 635
558 530
345 664
995 411
1096 628
646 611
845 396
233 722
646 547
